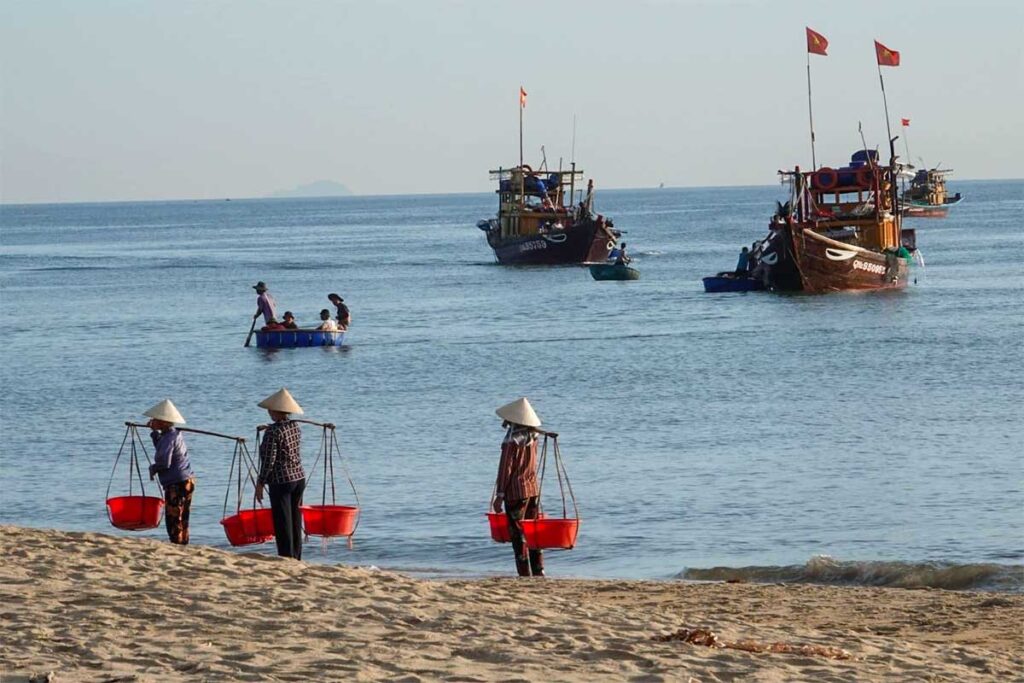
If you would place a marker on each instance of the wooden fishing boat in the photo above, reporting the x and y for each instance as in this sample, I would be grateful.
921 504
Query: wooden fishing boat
538 222
926 196
292 339
840 231
613 271
731 282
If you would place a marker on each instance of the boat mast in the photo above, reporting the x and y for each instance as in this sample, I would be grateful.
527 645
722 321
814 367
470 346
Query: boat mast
522 106
817 44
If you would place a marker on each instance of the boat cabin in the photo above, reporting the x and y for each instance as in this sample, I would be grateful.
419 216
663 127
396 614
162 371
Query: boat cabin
929 186
854 204
538 202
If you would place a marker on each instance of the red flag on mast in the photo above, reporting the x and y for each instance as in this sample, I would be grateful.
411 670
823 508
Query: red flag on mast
906 122
522 97
886 57
816 43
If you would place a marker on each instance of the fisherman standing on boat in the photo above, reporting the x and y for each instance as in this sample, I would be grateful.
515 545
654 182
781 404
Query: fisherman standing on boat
516 486
265 304
344 315
281 470
172 465
743 263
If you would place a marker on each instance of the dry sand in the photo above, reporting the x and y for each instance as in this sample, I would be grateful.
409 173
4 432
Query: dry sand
84 606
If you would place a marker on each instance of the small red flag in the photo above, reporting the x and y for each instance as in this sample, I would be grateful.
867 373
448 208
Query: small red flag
906 122
816 43
886 57
522 97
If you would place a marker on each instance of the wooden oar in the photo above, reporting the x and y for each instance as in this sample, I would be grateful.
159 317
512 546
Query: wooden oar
251 330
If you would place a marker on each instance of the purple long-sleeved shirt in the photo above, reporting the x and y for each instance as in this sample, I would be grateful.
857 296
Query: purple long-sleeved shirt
267 307
171 461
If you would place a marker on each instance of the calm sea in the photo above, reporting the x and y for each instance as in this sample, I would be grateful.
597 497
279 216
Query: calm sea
841 438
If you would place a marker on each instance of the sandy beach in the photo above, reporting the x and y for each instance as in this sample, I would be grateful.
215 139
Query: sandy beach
91 607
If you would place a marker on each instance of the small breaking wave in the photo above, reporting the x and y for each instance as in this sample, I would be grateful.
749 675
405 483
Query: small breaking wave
826 570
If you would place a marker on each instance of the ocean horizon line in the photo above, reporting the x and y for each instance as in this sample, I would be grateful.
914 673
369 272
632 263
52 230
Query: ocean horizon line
357 195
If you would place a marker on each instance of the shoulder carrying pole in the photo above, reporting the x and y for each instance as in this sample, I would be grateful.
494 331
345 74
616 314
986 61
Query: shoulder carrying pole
194 431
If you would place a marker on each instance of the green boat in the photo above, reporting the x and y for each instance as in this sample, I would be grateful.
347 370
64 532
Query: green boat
613 271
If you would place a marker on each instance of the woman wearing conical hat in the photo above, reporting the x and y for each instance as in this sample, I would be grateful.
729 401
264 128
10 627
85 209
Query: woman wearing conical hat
281 471
172 465
516 486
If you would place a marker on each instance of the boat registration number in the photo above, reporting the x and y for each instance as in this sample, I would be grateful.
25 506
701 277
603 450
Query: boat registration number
868 267
533 246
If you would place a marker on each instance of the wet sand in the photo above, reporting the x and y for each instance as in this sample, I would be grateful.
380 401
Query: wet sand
91 607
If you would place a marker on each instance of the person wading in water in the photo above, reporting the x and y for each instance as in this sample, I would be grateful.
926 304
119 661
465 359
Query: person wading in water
516 487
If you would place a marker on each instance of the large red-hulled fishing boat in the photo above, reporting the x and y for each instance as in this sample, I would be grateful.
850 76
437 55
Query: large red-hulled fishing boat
538 221
840 231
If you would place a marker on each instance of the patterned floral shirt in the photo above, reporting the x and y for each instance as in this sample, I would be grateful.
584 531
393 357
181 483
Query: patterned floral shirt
280 460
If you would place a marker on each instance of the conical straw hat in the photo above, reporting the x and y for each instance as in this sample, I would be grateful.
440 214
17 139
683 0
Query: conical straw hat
165 410
519 412
282 402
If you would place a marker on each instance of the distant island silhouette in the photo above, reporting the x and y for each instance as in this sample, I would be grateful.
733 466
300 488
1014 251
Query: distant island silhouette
318 188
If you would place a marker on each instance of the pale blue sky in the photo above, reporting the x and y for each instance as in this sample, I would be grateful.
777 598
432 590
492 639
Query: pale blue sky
106 100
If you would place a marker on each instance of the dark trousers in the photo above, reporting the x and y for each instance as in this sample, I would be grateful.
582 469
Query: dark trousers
285 500
177 505
529 562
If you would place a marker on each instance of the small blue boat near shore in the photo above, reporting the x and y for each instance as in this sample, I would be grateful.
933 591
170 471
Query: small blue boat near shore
294 339
730 282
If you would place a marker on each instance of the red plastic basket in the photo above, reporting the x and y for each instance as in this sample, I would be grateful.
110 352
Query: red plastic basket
135 513
249 526
551 533
499 527
329 520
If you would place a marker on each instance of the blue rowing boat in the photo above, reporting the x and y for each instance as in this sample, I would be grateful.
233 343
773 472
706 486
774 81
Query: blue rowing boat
730 282
294 339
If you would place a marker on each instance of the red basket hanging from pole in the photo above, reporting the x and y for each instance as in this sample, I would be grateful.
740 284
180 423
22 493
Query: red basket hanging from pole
551 533
546 532
133 512
247 526
543 531
330 519
498 522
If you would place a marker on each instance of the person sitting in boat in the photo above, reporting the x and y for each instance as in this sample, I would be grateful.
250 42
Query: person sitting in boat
328 325
289 321
516 486
172 465
265 304
623 258
344 316
743 263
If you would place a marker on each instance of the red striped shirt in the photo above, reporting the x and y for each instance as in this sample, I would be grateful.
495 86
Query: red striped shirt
517 469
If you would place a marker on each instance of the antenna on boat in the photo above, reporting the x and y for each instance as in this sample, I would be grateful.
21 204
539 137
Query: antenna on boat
864 143
572 156
904 124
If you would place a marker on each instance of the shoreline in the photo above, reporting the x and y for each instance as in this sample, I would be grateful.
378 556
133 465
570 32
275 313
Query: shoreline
85 606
